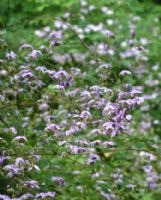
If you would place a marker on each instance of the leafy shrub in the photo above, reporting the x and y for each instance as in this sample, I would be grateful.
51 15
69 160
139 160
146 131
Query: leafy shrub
74 123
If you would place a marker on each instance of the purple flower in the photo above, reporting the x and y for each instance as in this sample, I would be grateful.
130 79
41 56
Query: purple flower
27 73
20 139
43 195
122 95
40 34
93 158
62 143
41 69
107 127
72 93
153 185
107 196
72 130
81 125
85 114
3 159
19 161
109 109
30 184
133 33
25 46
125 72
131 43
25 196
10 55
76 149
95 132
128 117
12 170
52 127
108 143
66 83
54 43
4 197
55 35
139 100
110 34
46 50
43 107
147 168
96 142
58 180
95 175
85 95
35 54
131 186
61 74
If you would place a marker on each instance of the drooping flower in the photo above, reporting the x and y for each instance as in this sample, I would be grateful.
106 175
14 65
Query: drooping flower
4 197
125 72
35 54
107 196
10 55
25 196
12 170
30 184
85 115
43 195
109 109
20 139
25 46
58 180
3 159
19 161
76 149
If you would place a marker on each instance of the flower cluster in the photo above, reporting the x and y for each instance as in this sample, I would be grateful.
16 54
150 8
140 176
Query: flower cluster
65 115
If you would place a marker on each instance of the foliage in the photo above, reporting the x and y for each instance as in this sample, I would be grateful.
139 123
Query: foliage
80 99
